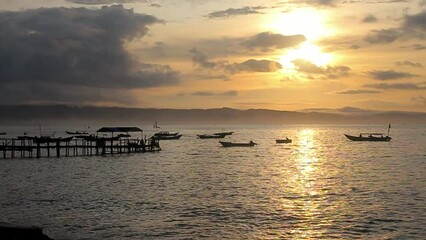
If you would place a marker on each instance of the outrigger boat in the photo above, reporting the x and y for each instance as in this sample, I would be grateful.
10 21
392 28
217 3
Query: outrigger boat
231 144
370 137
286 140
208 136
77 132
166 137
165 133
223 133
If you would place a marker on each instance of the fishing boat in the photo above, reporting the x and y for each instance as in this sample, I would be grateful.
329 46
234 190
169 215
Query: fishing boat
165 134
123 135
208 136
232 144
286 140
77 132
371 137
223 133
2 133
166 137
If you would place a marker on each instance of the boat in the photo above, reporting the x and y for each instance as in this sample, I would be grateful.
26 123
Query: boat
223 133
371 137
2 133
165 133
123 135
286 140
231 144
166 137
76 132
208 136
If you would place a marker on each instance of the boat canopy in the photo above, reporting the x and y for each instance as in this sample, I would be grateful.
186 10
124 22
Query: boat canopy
119 129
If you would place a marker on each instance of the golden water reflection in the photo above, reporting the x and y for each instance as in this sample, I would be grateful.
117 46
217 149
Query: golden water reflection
307 187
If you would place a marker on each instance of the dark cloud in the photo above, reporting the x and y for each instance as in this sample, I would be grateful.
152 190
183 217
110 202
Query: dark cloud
308 67
369 19
383 36
230 12
358 91
252 65
408 63
76 47
413 26
267 41
231 93
101 2
390 75
398 86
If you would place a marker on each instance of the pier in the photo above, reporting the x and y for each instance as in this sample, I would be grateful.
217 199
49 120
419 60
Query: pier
74 146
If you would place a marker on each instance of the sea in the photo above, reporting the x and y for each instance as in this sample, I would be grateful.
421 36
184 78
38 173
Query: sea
320 186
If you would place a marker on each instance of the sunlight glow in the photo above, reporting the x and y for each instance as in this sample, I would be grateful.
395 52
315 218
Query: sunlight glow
308 22
307 51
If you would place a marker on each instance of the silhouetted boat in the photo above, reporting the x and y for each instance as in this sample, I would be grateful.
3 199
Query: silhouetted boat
167 137
223 133
123 135
208 136
165 134
2 133
286 140
231 144
372 137
77 132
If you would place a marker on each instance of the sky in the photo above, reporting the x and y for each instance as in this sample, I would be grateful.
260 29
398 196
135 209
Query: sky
281 55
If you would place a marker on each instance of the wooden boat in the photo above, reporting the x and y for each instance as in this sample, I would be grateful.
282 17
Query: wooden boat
208 136
165 137
223 133
165 133
231 144
370 137
123 135
286 140
77 132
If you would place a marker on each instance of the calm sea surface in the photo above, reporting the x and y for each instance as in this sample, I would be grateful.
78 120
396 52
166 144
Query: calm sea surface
321 186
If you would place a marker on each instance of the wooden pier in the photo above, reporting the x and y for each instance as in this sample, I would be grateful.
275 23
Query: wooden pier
37 147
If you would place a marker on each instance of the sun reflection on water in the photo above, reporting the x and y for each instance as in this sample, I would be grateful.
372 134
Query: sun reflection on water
307 186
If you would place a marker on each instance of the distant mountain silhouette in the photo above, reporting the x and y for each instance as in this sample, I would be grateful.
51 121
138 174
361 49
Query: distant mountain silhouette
63 113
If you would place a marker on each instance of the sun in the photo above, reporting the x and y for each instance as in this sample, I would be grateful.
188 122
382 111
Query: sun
307 51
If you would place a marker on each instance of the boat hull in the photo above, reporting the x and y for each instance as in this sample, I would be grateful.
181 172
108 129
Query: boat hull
172 137
231 144
206 136
368 139
283 141
223 133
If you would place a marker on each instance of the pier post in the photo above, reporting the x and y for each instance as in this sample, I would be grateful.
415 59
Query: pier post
58 149
38 149
13 149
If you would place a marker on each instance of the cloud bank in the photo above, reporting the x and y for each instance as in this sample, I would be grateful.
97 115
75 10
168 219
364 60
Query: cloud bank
51 49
